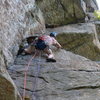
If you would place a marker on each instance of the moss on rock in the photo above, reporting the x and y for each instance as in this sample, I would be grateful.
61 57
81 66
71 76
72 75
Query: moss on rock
61 12
81 44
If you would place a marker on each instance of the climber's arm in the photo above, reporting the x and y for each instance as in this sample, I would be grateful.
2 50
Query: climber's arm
56 44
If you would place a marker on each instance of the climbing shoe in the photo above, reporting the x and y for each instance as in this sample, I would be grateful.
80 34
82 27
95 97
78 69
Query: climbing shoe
50 60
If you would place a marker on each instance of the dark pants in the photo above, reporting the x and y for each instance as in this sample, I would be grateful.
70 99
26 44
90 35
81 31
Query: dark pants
40 45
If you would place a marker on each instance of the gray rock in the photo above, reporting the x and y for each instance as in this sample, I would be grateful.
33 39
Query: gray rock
72 77
91 5
18 19
82 39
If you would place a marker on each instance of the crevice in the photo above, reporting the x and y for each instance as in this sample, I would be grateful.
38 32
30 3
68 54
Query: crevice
83 87
30 75
39 77
63 7
74 10
31 90
4 58
74 70
43 79
82 70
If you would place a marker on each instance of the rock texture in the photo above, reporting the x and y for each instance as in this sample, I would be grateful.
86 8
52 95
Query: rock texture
8 90
98 29
91 5
18 19
61 12
82 39
72 77
22 18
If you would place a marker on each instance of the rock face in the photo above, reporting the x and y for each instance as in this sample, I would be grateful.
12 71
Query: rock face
8 90
91 5
61 12
72 77
82 39
22 18
18 19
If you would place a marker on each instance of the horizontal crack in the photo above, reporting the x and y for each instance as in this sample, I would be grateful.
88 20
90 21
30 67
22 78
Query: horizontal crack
74 70
39 77
86 70
29 75
32 90
83 87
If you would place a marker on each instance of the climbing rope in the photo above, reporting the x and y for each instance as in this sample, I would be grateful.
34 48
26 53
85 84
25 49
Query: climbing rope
36 77
25 76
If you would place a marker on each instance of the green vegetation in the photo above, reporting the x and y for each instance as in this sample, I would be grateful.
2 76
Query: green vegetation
97 14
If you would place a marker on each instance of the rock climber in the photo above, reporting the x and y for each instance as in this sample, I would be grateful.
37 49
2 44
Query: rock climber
44 42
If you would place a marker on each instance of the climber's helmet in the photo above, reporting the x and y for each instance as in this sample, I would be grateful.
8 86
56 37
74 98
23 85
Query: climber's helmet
53 34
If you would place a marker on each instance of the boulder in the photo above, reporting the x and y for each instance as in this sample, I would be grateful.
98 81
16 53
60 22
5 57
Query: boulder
61 12
8 90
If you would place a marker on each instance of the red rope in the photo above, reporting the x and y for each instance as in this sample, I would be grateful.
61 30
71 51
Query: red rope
25 76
